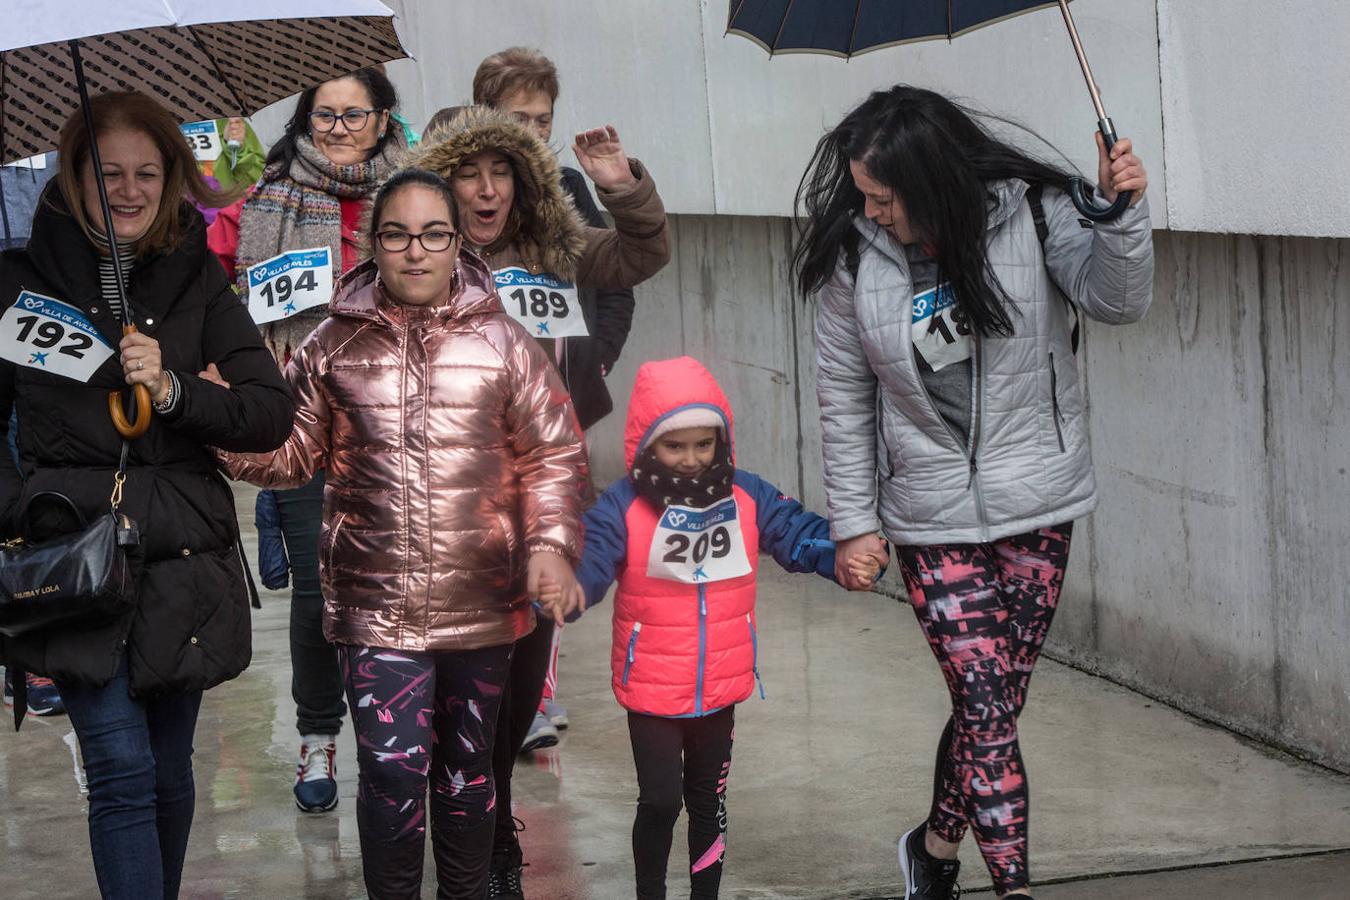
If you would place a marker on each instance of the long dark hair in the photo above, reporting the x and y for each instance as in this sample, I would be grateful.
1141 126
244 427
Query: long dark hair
383 96
943 164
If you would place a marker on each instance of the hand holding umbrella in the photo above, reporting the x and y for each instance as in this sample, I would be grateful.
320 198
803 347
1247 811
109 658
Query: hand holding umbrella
196 65
1119 171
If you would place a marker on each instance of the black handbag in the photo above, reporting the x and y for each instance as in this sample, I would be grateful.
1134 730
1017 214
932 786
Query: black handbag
77 579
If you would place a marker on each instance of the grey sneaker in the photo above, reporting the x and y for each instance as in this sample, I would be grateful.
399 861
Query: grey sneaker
926 878
542 734
557 714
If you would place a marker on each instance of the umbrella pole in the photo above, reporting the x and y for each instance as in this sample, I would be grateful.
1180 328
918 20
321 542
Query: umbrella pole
1082 196
140 396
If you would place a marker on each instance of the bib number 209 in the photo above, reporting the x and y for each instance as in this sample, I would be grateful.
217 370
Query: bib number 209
699 546
681 549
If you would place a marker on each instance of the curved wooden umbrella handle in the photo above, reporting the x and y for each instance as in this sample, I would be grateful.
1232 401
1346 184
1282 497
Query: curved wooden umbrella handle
140 401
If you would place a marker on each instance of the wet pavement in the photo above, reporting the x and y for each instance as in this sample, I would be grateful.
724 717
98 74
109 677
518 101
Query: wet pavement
826 773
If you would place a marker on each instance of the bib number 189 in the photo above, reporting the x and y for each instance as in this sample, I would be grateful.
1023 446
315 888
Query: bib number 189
540 303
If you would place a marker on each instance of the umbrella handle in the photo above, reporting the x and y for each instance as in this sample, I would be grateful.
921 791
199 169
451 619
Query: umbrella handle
1080 191
140 405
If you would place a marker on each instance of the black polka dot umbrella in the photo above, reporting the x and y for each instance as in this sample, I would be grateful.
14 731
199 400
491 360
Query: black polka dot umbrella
54 55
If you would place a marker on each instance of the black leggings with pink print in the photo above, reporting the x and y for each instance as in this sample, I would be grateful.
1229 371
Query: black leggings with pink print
985 610
425 718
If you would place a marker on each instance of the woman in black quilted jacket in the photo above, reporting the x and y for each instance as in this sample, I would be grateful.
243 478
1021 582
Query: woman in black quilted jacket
133 687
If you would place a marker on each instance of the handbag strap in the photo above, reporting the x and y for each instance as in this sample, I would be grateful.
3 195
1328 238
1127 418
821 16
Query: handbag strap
120 477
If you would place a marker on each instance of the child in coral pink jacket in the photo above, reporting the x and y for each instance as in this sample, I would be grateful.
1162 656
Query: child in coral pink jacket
682 536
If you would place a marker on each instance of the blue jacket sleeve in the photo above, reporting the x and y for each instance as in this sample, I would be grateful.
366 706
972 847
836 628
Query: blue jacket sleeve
796 537
606 549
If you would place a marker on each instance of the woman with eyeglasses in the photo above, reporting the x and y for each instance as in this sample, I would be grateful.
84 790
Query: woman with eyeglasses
338 146
453 455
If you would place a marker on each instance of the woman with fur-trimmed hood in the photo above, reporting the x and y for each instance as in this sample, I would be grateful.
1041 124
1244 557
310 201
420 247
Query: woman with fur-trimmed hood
514 213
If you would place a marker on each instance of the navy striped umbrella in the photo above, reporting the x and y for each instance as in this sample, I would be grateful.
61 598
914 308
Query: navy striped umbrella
847 28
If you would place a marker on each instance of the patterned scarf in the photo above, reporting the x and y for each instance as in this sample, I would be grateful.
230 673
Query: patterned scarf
661 487
302 209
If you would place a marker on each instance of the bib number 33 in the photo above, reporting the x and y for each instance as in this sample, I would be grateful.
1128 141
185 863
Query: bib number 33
696 546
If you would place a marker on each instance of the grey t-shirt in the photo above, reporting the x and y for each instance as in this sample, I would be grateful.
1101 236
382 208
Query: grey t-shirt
949 387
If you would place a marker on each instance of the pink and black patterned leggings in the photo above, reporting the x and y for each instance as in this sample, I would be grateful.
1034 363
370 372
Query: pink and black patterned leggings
985 610
424 717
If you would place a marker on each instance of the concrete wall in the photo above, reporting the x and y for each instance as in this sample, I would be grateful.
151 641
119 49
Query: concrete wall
729 130
1214 574
1238 106
1254 101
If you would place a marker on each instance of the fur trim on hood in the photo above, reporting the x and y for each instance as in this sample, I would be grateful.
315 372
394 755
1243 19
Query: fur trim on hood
543 225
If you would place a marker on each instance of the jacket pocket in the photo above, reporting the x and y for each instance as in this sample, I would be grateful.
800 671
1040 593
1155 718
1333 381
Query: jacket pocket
1054 404
508 532
754 650
331 544
883 446
632 651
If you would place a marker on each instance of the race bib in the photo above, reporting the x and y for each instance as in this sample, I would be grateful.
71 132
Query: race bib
32 162
284 285
42 333
941 334
204 139
545 304
697 546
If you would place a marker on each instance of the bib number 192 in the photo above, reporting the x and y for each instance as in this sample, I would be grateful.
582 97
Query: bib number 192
49 334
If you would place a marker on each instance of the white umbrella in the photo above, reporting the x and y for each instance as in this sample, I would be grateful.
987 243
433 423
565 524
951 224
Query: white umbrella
54 54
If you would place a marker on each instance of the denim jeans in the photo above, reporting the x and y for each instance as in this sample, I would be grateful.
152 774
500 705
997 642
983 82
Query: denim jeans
316 682
138 759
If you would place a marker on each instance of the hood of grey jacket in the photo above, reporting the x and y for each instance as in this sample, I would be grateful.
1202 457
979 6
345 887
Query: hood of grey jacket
891 462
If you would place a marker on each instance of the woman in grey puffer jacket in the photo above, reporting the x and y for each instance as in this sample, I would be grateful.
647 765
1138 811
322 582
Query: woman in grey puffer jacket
951 269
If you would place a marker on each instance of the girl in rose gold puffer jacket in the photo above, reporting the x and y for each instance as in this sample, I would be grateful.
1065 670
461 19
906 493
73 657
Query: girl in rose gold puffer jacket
452 454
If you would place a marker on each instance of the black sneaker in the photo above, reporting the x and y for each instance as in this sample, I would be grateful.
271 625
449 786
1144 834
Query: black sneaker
504 884
926 877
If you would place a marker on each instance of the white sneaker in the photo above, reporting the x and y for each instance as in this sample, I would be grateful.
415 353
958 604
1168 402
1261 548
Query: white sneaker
316 773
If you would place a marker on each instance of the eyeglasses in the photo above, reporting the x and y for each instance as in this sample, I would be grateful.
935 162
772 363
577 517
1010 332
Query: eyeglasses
353 119
398 241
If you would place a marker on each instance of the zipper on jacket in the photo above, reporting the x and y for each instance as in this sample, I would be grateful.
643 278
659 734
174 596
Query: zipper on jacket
632 648
1054 402
754 649
702 647
976 421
